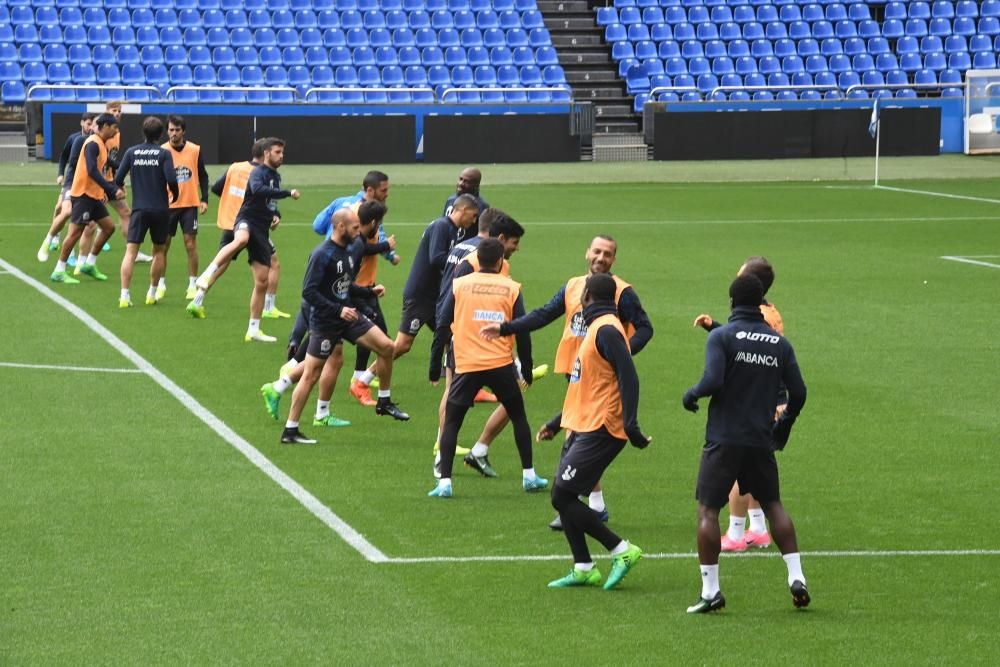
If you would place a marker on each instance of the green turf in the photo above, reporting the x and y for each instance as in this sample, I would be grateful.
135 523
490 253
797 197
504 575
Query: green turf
132 533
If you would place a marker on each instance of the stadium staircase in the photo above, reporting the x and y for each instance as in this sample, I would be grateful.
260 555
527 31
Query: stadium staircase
592 74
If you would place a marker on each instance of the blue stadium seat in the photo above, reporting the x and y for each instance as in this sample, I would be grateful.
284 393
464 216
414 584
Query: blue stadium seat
25 34
839 63
108 74
969 9
873 78
151 55
33 72
379 37
247 55
223 56
471 37
858 11
892 29
808 47
989 25
930 44
240 37
952 92
55 53
218 37
984 60
13 93
761 47
199 55
925 76
431 55
738 48
450 37
403 37
682 32
334 37
181 75
385 56
980 43
408 55
950 76
910 62
935 61
831 46
363 55
886 62
916 27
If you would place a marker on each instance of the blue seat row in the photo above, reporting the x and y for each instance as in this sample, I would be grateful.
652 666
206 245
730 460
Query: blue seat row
785 96
294 5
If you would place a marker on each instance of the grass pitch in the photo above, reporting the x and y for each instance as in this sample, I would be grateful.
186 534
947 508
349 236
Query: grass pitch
134 533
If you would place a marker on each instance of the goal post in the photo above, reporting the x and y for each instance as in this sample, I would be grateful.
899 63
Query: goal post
982 107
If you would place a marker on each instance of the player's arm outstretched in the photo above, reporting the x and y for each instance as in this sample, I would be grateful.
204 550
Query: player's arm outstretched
630 311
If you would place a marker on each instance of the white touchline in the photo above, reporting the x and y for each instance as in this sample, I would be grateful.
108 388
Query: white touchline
966 260
48 367
939 194
693 555
310 502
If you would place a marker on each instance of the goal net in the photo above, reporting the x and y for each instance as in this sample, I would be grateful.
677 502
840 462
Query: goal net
982 107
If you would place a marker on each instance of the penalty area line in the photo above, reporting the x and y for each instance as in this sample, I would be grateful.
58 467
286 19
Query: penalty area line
693 555
968 260
252 454
84 369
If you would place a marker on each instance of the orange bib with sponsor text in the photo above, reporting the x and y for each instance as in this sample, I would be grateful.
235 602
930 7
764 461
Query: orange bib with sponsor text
481 299
186 167
232 194
574 328
592 399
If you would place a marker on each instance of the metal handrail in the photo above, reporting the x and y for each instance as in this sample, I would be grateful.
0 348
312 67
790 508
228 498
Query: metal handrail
508 89
85 86
367 89
671 89
900 86
241 89
826 86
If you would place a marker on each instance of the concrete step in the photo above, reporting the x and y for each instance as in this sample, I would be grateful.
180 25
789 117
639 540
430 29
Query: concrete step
577 6
569 57
591 76
598 92
577 23
603 110
560 40
615 126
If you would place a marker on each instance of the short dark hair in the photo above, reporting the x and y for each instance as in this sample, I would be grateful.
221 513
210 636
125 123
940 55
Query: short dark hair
270 142
746 290
174 119
105 119
152 129
760 267
601 287
371 211
607 237
465 201
373 179
87 116
507 226
488 216
490 252
257 150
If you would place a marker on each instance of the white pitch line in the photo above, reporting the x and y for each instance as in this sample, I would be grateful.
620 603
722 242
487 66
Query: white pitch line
966 260
691 555
84 369
939 194
310 502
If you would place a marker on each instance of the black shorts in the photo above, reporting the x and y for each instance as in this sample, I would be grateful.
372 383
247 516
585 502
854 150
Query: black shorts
259 246
755 468
186 218
155 222
503 382
585 457
416 314
322 341
87 210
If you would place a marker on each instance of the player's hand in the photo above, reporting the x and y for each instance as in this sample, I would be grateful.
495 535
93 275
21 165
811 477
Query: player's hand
349 314
780 410
275 221
120 194
391 240
703 321
690 401
296 194
202 207
59 180
780 432
544 433
637 439
395 260
490 331
379 291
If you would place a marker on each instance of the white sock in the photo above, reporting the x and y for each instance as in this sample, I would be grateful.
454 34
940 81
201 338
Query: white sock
268 302
383 393
528 473
367 377
199 297
709 581
357 375
209 272
60 266
91 259
163 283
757 524
291 424
125 295
620 549
737 525
191 281
794 568
281 384
584 567
480 450
48 239
151 292
253 327
596 501
322 409
444 480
